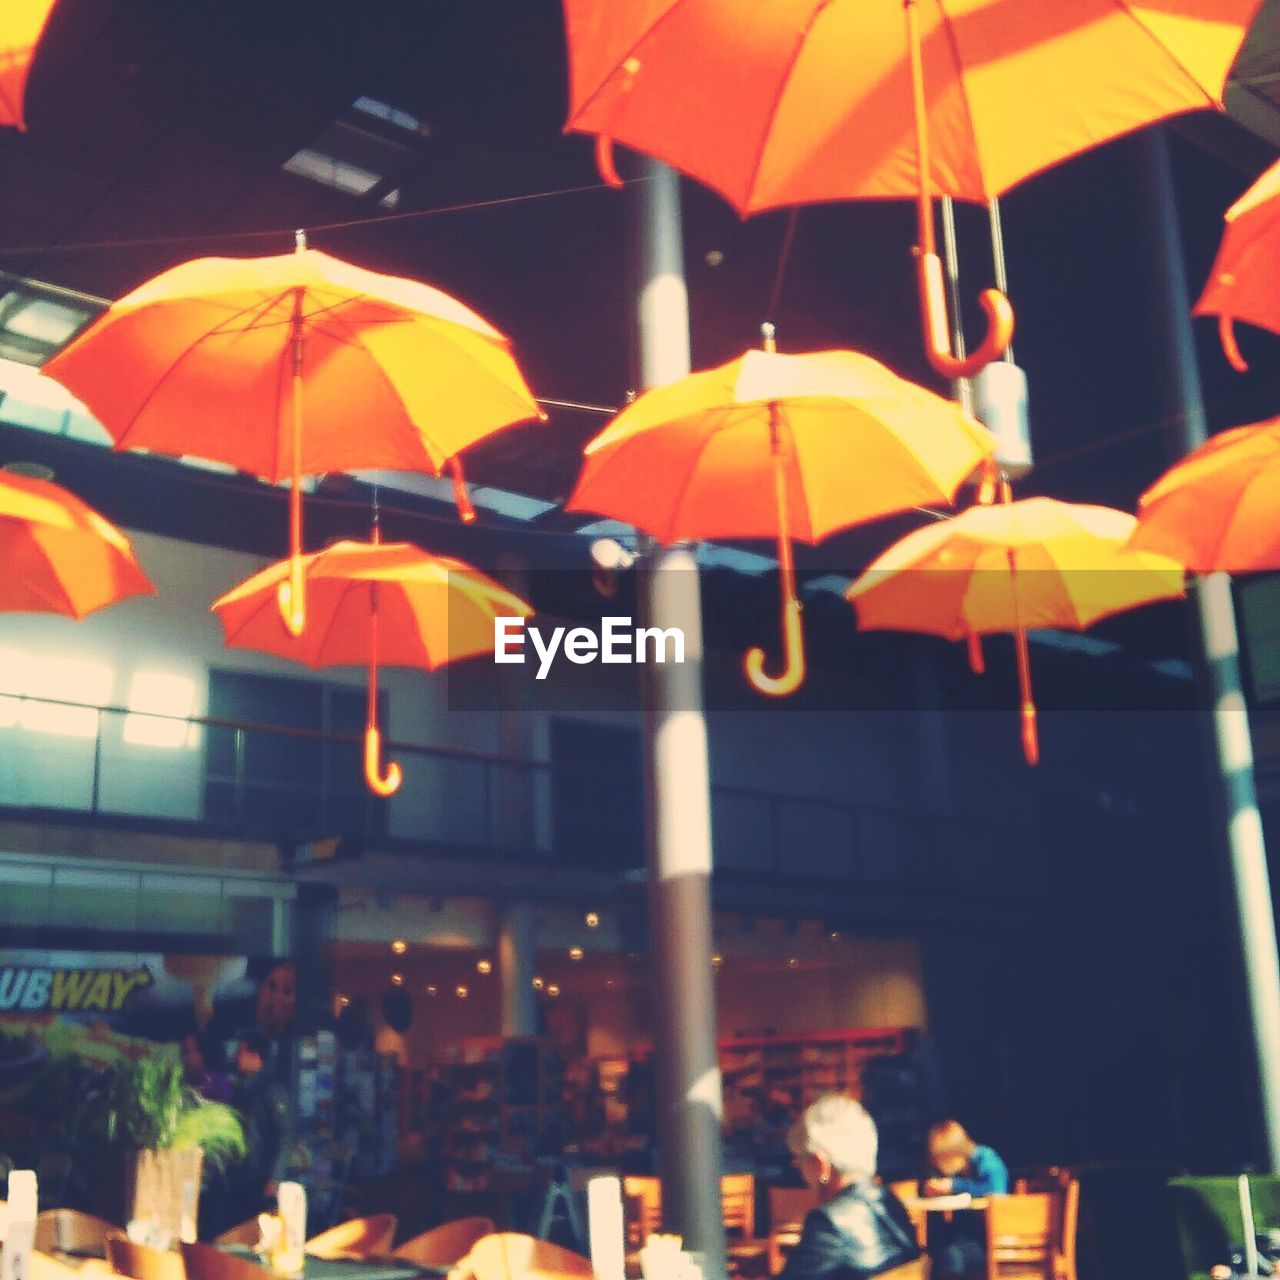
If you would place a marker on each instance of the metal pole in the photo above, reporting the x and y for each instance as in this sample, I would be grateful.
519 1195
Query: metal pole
517 960
677 787
1221 651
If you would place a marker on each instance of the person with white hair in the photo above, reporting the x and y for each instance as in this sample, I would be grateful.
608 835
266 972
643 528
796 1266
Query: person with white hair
858 1229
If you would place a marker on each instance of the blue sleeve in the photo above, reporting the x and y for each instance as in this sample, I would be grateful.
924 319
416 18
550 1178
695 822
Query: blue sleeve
989 1176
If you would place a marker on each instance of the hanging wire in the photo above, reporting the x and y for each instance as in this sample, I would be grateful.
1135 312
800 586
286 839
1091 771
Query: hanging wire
784 258
962 388
997 257
284 233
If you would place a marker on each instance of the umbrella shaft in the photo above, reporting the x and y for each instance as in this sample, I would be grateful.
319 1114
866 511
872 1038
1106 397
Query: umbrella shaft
924 195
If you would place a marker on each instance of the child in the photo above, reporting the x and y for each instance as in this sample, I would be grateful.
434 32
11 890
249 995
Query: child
957 1165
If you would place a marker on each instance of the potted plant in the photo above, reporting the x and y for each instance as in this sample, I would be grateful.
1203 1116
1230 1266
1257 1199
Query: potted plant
152 1126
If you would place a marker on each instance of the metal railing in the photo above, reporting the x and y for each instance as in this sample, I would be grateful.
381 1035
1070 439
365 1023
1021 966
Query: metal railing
293 785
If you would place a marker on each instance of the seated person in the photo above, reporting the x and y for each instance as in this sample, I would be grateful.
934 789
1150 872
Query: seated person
957 1165
859 1229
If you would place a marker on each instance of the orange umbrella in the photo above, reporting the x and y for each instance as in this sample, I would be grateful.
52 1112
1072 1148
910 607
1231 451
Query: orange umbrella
1012 567
798 101
1219 508
215 358
22 23
58 555
778 446
1242 284
373 602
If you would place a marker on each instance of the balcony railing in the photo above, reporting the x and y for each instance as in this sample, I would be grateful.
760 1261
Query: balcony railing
101 766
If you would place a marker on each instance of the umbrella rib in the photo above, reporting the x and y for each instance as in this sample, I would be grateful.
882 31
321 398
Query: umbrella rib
1125 7
964 97
783 84
673 522
628 55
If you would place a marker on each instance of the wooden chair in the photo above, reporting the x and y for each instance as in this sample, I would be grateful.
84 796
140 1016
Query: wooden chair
246 1233
908 1191
141 1262
506 1255
359 1238
788 1208
1032 1236
70 1231
208 1262
747 1254
1050 1177
446 1245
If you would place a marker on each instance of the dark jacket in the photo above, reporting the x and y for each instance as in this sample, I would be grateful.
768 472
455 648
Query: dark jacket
264 1108
860 1232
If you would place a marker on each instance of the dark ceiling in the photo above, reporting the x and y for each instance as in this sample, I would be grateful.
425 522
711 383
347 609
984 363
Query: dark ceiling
159 131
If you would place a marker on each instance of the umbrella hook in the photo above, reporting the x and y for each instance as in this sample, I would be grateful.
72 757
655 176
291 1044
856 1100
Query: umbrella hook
792 675
380 783
291 596
929 275
605 165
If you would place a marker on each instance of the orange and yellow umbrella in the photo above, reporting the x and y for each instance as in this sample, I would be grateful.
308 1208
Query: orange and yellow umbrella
1243 282
798 101
371 603
1013 567
58 555
294 365
788 447
1219 508
22 23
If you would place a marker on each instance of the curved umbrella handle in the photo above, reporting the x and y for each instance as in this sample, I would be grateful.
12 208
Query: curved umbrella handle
793 672
1227 334
937 335
604 162
381 784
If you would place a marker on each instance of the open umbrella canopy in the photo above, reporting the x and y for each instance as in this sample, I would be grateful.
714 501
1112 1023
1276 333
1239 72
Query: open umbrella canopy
798 101
1219 508
58 555
22 23
296 364
695 459
779 446
1243 282
1013 567
432 610
1033 563
395 375
372 602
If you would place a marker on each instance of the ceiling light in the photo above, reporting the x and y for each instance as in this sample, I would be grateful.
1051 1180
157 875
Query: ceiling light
399 946
484 966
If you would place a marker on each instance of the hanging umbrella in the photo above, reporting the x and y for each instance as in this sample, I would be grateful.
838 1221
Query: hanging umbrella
295 365
1012 567
791 447
1242 284
22 23
58 555
1219 508
371 603
798 101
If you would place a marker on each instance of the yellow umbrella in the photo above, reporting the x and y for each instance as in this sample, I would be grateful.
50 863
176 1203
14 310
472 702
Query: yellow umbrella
778 446
215 357
373 602
1013 567
22 23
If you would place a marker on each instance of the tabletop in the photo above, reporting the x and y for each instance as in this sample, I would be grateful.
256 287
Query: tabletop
356 1268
